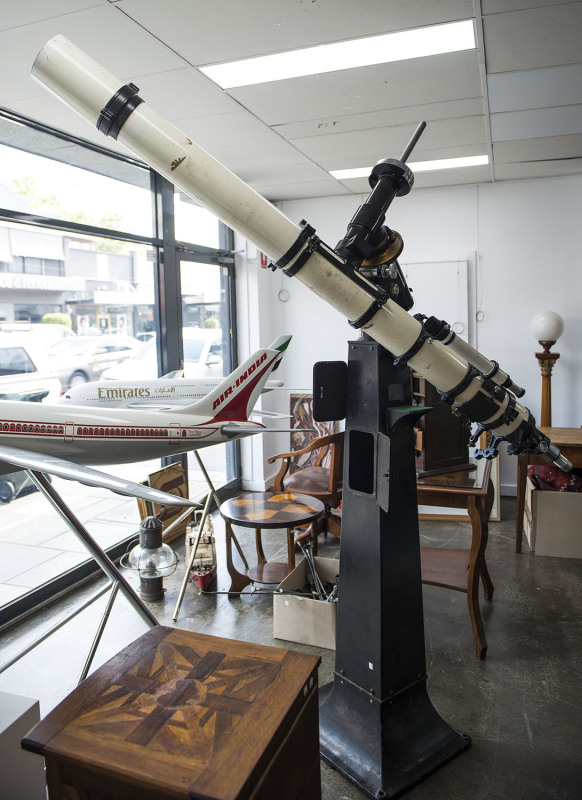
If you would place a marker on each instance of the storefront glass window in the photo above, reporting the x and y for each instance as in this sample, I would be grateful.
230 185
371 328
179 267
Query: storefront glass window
37 185
194 223
81 307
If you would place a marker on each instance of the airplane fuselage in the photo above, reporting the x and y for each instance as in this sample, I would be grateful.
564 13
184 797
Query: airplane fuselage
116 394
157 393
94 436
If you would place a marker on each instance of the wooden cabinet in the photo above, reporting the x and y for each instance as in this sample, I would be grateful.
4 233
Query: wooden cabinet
442 440
183 715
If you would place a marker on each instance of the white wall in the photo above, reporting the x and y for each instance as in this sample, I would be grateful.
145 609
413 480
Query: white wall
523 244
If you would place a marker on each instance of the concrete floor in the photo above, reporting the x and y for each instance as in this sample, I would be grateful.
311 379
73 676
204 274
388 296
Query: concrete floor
522 706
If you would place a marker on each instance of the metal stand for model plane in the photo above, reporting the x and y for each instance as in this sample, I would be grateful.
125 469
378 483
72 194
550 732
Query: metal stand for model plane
377 724
117 580
212 495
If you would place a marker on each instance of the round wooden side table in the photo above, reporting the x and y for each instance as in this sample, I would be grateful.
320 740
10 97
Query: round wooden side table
266 510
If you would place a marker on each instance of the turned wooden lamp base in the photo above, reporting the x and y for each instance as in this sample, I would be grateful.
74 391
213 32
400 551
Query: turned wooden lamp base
546 361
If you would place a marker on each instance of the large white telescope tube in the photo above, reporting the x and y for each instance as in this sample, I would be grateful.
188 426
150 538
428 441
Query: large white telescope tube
117 110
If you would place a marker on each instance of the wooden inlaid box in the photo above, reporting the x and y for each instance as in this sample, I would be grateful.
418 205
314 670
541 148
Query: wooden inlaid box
183 715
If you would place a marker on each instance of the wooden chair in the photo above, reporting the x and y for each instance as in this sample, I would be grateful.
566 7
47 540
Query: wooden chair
324 483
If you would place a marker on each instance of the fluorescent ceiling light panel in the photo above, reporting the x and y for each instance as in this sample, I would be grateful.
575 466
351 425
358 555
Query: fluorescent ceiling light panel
399 46
415 166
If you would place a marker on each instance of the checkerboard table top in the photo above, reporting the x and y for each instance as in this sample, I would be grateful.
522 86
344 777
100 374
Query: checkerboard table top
271 509
176 709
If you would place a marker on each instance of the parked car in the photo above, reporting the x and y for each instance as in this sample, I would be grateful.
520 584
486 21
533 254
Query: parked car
24 375
17 484
84 358
25 371
47 333
202 357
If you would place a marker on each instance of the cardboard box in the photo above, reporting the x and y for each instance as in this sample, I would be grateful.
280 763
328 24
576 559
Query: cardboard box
551 522
303 619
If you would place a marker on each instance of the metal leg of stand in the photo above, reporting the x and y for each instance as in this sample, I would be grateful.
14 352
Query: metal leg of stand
178 521
192 557
98 554
217 501
99 632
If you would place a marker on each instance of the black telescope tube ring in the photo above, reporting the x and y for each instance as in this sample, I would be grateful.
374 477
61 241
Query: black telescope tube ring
312 245
371 311
305 233
402 360
118 109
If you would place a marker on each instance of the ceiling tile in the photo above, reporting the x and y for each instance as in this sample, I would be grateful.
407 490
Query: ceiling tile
398 85
223 30
102 32
538 37
537 169
183 94
381 119
542 149
301 191
15 15
228 130
535 88
538 122
256 162
499 6
303 172
453 177
390 142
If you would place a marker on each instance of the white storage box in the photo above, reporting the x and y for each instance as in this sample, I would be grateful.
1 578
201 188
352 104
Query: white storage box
303 619
552 522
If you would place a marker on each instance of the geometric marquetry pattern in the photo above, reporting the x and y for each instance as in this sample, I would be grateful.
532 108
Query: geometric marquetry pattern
277 510
178 701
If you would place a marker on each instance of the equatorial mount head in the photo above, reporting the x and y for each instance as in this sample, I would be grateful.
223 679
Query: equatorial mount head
400 176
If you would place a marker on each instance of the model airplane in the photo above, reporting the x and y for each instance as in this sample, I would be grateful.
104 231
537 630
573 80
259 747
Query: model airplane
86 435
166 392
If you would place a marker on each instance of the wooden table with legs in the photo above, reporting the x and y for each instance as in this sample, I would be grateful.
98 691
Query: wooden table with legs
268 510
569 440
461 569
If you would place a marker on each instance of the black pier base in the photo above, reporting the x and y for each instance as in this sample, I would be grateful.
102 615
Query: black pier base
385 747
377 724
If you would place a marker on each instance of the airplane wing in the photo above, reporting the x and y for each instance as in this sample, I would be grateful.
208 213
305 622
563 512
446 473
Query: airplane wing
233 429
25 459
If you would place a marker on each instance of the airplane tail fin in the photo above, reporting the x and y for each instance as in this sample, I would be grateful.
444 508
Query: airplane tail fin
235 397
281 343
